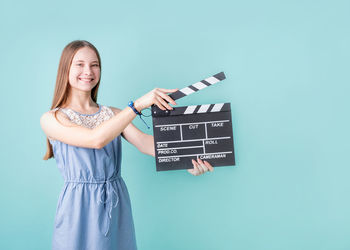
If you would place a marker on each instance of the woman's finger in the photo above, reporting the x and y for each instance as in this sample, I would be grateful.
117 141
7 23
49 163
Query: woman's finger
159 105
202 165
209 166
168 90
164 103
196 170
203 168
166 97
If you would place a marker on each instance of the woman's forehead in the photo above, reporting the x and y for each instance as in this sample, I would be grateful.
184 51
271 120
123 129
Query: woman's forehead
85 54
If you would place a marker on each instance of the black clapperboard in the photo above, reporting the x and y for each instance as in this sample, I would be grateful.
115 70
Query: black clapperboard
184 133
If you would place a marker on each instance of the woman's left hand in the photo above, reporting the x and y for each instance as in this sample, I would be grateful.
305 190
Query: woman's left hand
200 167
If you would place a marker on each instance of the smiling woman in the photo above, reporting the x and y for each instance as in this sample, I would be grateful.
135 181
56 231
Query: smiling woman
86 70
94 208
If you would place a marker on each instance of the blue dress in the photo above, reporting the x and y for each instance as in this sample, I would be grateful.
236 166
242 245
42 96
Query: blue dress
93 210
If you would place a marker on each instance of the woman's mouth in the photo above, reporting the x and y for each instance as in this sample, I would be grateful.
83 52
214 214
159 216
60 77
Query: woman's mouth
86 80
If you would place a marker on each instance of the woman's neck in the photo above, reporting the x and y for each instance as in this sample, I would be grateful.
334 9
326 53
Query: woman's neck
81 103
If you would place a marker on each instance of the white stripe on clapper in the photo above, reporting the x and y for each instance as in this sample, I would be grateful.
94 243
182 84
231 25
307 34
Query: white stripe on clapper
203 108
212 80
187 91
199 85
217 107
190 109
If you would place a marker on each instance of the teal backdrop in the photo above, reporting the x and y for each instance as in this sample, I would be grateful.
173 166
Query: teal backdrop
287 68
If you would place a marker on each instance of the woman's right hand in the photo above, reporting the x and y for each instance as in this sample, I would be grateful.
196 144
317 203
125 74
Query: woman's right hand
157 96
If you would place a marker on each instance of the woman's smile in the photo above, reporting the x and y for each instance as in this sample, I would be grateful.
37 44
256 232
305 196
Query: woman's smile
86 79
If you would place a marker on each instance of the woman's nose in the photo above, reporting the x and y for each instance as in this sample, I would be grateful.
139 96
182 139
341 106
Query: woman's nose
87 70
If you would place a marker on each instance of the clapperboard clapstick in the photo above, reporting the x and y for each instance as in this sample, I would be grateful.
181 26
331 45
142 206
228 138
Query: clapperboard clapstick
186 132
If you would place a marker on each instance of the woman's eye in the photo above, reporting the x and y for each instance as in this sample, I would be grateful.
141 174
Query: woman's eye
79 64
95 65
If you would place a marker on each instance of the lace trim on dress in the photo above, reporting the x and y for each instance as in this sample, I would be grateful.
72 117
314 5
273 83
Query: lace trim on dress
88 121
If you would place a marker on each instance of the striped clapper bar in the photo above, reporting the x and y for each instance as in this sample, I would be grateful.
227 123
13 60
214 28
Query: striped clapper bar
186 132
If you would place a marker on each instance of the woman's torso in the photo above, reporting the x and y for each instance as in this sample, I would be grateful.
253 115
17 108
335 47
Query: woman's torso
88 164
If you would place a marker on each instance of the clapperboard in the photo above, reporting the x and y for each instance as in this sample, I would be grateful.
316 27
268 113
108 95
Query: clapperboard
186 132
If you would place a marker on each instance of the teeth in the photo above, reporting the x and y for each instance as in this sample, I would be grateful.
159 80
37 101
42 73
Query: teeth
85 80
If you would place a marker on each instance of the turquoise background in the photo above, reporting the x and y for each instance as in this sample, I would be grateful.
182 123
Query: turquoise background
287 68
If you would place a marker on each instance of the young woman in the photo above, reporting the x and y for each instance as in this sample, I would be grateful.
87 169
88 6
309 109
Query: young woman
84 137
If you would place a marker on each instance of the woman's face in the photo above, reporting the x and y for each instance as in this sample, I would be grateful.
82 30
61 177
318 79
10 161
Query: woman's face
84 72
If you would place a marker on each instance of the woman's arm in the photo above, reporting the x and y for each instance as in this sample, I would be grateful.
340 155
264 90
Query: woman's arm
108 130
143 142
79 136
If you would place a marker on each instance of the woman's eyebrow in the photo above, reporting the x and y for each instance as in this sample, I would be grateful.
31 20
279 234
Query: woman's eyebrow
84 61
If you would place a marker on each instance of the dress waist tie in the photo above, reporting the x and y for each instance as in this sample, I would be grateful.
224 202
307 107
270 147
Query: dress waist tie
108 191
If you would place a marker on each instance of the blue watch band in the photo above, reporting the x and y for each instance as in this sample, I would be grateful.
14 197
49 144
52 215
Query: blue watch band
131 105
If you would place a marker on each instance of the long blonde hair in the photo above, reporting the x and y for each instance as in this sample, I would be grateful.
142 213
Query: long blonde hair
62 87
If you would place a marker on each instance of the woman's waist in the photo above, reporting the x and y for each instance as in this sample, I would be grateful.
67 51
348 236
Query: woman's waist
92 180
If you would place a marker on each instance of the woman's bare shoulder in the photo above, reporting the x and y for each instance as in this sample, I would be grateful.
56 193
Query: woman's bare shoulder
115 110
60 115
